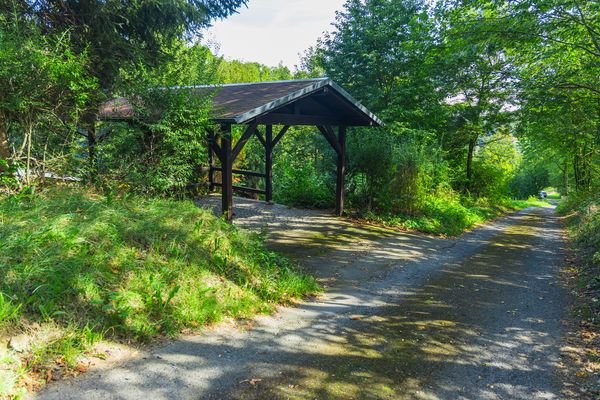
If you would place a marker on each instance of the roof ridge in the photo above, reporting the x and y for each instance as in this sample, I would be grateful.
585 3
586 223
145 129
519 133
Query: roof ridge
220 85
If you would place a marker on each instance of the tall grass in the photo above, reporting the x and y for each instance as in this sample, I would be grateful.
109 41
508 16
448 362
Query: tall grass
452 214
130 268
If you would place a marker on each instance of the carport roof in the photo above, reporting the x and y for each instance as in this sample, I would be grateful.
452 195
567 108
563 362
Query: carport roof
292 102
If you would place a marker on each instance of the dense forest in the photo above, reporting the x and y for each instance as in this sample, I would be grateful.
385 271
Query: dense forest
485 103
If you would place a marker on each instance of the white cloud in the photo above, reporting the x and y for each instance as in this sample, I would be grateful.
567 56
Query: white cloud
273 31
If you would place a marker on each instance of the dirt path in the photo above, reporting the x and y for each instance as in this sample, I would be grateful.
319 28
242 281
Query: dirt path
405 316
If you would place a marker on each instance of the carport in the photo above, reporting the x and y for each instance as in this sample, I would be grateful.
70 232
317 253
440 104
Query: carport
268 106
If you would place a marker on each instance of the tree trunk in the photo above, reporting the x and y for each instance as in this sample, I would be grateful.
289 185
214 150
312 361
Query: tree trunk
28 138
92 155
565 179
89 124
576 172
471 151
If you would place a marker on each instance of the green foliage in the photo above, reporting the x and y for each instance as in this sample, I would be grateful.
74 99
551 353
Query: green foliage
370 166
44 87
119 35
302 186
451 214
529 181
159 152
583 219
303 169
559 89
585 223
235 71
8 178
8 311
383 53
495 165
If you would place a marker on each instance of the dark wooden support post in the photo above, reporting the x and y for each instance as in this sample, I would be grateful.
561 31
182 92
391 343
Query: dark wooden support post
211 171
226 173
341 170
269 163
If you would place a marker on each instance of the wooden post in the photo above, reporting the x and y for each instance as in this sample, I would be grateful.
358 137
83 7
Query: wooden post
227 174
341 169
269 163
211 171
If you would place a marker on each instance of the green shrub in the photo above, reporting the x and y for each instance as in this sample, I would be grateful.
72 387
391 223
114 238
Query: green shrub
586 226
159 152
302 186
447 213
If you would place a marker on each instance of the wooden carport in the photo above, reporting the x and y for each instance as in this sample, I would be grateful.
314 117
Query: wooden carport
317 102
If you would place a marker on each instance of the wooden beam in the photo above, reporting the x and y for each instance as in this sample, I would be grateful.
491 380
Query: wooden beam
226 174
330 136
242 172
269 163
245 189
280 135
259 137
243 139
217 149
211 175
297 119
341 170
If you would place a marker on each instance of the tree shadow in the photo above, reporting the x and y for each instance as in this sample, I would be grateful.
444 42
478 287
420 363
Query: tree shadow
480 319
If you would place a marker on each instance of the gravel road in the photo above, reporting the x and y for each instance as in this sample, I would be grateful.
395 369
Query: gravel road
404 316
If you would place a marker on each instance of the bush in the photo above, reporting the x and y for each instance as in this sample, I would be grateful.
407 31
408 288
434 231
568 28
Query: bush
370 167
586 223
159 152
304 169
393 169
302 186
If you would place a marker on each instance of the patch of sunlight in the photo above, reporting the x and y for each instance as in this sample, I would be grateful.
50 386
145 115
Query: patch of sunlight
362 349
437 348
477 276
10 374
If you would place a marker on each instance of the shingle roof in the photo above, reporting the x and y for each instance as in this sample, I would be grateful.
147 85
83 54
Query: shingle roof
242 102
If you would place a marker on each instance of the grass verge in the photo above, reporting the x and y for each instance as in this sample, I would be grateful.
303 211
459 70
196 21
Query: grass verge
452 215
583 222
76 267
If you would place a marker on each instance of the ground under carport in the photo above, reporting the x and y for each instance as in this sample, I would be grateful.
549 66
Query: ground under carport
404 316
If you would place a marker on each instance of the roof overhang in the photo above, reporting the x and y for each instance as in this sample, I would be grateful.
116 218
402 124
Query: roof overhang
294 102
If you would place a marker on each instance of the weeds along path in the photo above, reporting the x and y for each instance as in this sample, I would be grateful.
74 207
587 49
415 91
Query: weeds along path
404 316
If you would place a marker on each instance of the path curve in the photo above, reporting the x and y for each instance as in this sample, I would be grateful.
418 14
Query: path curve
405 316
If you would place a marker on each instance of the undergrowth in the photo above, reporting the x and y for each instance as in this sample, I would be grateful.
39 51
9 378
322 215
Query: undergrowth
582 214
452 215
583 219
125 268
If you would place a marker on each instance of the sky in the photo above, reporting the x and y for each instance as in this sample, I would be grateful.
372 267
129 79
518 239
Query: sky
273 31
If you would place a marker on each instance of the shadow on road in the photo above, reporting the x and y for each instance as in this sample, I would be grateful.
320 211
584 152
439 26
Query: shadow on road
407 316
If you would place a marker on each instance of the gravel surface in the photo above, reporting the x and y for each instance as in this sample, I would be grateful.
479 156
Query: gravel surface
404 316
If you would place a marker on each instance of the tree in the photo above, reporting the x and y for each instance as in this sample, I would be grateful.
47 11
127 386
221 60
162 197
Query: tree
384 51
158 150
555 48
119 35
559 67
42 81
